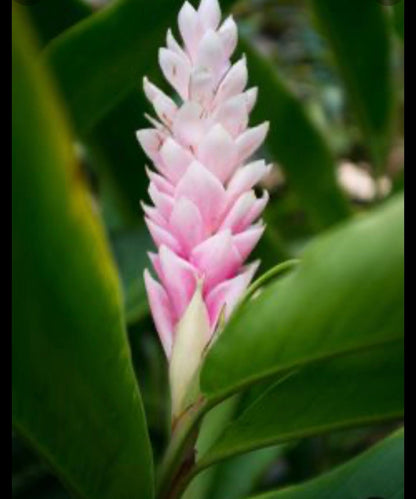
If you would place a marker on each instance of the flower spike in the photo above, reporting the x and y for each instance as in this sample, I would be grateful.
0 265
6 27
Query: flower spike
205 219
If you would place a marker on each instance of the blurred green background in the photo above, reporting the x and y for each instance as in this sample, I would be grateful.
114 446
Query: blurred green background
330 78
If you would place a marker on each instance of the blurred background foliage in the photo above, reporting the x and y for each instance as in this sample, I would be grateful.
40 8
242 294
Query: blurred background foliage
330 77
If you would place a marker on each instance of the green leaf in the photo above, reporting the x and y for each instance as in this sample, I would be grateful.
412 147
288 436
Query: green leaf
354 390
295 143
345 295
75 396
102 58
378 472
359 38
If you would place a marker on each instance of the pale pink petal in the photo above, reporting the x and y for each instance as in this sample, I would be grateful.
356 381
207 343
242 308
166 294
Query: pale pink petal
178 279
160 182
176 159
233 83
210 53
216 258
201 87
161 311
151 91
233 115
173 45
245 241
228 293
246 178
186 224
189 126
151 141
154 258
157 124
190 28
251 98
209 13
162 201
218 152
165 109
250 140
228 34
238 213
202 188
175 70
164 106
162 236
153 214
256 210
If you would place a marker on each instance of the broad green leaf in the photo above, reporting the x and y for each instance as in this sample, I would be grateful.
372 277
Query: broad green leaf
102 58
358 35
75 396
295 143
377 473
345 295
354 390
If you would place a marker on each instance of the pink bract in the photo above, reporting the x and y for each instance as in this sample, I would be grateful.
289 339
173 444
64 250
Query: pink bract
205 214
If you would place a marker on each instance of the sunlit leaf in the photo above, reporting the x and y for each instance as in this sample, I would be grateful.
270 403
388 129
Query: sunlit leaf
75 396
346 294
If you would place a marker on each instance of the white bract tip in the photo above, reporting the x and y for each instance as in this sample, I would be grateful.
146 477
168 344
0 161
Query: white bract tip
192 333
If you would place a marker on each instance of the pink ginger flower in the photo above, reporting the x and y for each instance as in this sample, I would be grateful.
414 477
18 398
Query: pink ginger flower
205 218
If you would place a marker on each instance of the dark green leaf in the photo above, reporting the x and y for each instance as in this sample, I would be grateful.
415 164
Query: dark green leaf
75 396
354 390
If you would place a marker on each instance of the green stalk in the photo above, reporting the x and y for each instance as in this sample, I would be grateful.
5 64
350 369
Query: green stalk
267 276
179 458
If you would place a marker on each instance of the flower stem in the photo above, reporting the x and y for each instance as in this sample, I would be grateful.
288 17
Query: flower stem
270 274
179 458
